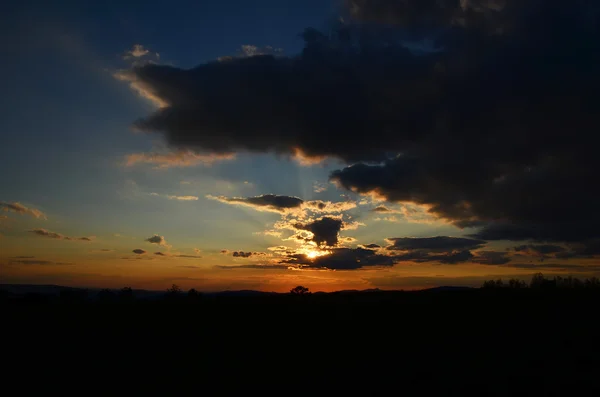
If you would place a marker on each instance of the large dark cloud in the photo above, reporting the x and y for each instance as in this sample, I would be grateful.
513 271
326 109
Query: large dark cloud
433 244
494 130
443 249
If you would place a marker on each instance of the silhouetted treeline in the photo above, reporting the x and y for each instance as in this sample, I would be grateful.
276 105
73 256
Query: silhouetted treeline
540 282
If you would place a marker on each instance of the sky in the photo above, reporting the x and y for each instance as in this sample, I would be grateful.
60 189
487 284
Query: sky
261 145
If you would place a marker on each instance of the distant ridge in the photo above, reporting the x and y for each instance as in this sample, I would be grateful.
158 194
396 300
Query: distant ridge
50 289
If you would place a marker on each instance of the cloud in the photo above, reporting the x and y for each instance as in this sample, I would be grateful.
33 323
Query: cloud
500 147
266 202
137 51
325 231
343 259
286 205
319 187
383 209
21 209
442 249
58 236
491 258
139 251
241 254
179 198
37 262
197 250
160 254
181 158
433 244
188 256
371 246
252 266
158 240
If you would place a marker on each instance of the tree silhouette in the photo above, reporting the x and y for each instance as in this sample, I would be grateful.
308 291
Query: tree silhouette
126 294
193 294
173 292
299 290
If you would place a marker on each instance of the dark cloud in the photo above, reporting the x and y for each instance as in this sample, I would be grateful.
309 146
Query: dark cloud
58 236
241 254
371 246
285 204
343 259
158 240
259 267
381 208
492 130
22 257
442 249
267 202
159 254
139 251
188 256
433 244
325 230
540 248
491 258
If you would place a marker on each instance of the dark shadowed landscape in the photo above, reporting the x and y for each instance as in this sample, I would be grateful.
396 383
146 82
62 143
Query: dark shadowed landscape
504 339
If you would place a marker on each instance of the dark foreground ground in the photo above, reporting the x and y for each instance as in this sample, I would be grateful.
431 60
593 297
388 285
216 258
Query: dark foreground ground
438 343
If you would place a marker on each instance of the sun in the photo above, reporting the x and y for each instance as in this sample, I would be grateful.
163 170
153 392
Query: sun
312 254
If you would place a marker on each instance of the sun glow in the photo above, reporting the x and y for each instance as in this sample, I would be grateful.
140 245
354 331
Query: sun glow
312 254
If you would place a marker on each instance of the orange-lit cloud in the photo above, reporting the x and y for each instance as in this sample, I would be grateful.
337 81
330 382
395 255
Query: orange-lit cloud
176 159
174 197
21 209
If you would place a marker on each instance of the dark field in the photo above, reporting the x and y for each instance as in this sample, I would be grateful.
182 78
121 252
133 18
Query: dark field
458 342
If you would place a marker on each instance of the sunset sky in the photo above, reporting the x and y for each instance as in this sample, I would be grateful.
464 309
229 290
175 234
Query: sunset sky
267 144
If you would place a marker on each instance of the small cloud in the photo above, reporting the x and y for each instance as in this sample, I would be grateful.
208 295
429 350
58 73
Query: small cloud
139 251
137 51
103 250
159 254
224 252
176 159
319 187
173 197
21 209
158 240
188 256
241 254
58 236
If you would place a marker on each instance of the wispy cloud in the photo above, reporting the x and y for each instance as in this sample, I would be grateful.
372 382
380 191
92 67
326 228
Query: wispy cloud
38 262
176 159
137 51
174 197
19 208
58 236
